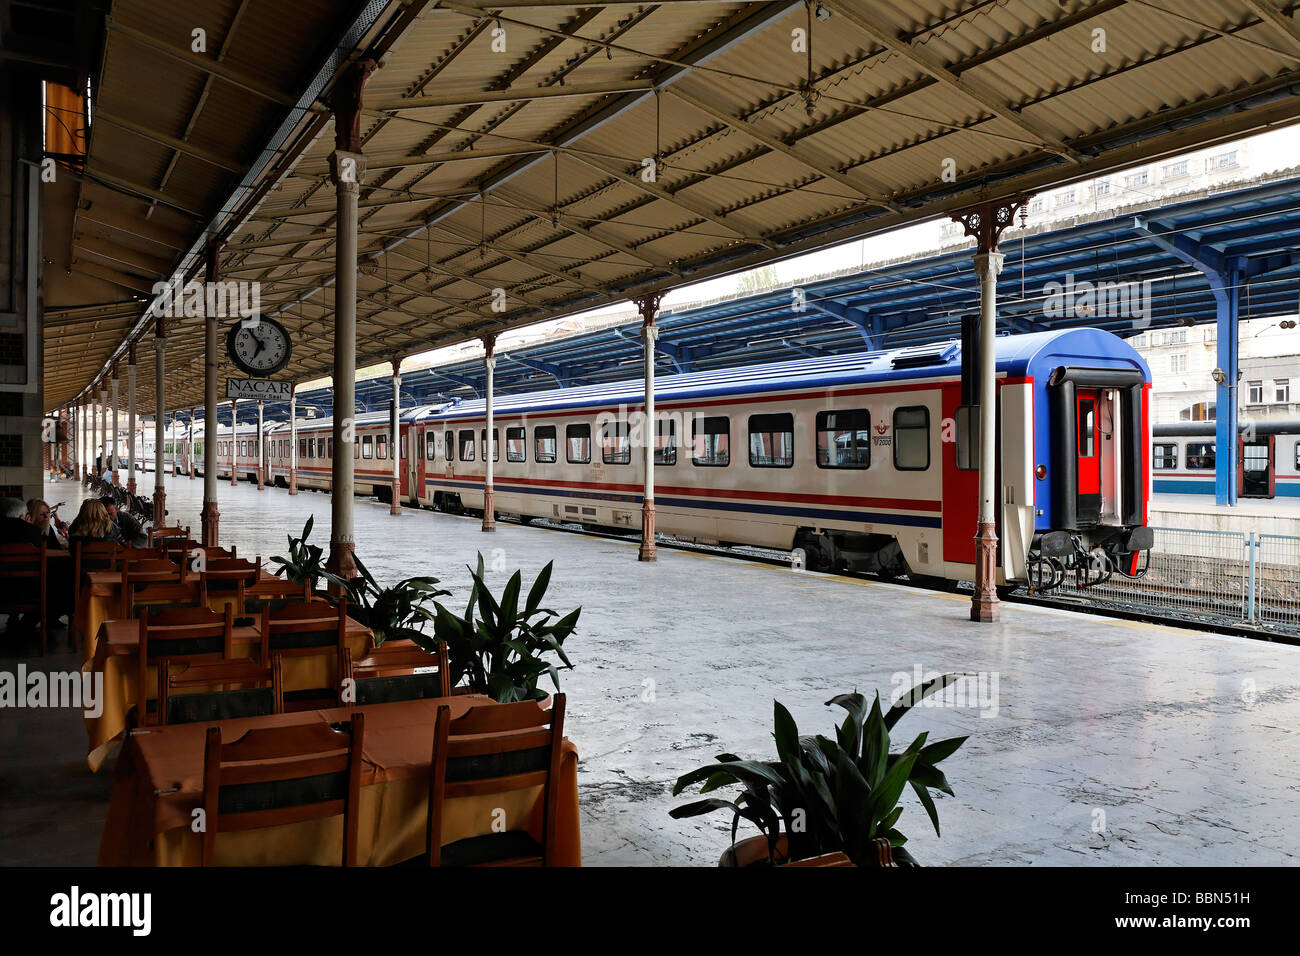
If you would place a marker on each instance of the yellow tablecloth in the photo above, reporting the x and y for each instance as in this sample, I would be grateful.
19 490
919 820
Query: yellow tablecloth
159 784
116 648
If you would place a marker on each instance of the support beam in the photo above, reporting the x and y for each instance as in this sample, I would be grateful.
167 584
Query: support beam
293 439
115 457
648 306
261 448
189 444
234 442
130 418
395 438
489 448
210 516
159 432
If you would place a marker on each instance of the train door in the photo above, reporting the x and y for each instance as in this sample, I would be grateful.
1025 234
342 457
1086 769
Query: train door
1256 477
1088 468
414 463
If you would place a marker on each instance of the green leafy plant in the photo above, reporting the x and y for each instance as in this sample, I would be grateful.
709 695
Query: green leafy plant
830 795
500 651
305 561
396 612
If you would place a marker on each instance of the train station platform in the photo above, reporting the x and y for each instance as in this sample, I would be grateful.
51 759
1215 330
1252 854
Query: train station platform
1200 513
1097 742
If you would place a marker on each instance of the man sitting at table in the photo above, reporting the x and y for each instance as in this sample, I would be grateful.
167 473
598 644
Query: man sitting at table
130 531
14 528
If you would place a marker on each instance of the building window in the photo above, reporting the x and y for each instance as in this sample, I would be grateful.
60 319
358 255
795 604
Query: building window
1255 393
711 441
1035 205
381 446
367 446
1176 170
968 437
1178 362
516 444
577 443
544 444
912 438
1065 199
666 442
844 438
1282 390
466 445
771 440
496 443
430 445
1103 187
1165 457
1178 337
1138 179
1225 160
615 445
1200 456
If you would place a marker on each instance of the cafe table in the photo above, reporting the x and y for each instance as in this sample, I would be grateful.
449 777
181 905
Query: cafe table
158 785
117 647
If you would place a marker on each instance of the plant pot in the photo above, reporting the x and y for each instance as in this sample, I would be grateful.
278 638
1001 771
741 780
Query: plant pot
752 851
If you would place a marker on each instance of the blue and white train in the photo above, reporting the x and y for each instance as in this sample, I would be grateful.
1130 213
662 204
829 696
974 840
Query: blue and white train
1267 455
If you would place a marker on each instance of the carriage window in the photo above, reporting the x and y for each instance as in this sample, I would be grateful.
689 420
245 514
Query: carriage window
516 445
1200 455
615 445
1087 428
496 443
711 441
449 445
1297 455
381 446
367 446
329 448
666 442
577 443
771 441
403 446
430 445
1165 457
544 444
356 448
844 439
466 444
967 439
912 438
311 448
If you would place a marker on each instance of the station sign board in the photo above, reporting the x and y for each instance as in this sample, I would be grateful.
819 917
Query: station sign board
262 389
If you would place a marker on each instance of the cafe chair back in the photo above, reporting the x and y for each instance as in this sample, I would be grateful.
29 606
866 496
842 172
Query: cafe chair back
157 584
90 556
260 690
132 556
495 749
156 535
307 629
280 775
175 636
393 671
230 577
23 575
275 594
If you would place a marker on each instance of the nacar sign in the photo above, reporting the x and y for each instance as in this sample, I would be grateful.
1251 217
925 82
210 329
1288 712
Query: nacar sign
258 388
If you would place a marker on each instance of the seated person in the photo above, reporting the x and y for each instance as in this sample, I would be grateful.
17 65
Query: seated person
38 516
92 524
129 531
14 528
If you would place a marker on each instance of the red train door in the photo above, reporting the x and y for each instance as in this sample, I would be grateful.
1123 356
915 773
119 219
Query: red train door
1088 469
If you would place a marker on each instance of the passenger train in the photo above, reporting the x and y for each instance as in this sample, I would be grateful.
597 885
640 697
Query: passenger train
866 461
1268 459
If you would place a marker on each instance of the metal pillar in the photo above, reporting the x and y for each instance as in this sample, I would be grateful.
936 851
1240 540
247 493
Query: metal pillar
78 461
395 426
293 440
189 444
489 491
159 426
1226 287
116 403
648 306
347 171
103 429
261 458
210 517
986 222
234 441
130 418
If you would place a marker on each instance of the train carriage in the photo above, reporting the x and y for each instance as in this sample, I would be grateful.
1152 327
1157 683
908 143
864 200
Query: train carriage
1184 455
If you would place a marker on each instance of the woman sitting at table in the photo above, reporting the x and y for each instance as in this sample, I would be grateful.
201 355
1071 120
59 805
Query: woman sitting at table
93 524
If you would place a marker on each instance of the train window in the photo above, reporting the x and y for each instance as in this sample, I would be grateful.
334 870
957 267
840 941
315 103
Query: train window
615 445
1297 456
544 444
1200 455
1087 428
466 444
849 433
302 448
496 443
329 448
912 438
577 443
967 439
1165 457
449 444
430 445
381 446
356 448
666 442
516 444
403 446
771 440
367 446
711 441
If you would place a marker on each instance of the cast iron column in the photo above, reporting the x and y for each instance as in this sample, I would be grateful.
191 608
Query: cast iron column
395 425
210 517
103 429
261 462
489 492
116 402
234 441
293 440
159 428
648 306
130 418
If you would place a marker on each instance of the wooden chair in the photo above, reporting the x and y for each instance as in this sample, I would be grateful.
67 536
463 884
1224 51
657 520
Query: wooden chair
230 577
156 534
90 556
178 548
23 584
275 595
388 673
179 635
495 749
132 556
280 775
306 629
261 691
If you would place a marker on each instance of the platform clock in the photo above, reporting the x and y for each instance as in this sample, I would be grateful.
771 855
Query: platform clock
260 349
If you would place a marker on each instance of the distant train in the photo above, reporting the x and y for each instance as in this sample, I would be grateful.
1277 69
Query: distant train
1268 459
866 461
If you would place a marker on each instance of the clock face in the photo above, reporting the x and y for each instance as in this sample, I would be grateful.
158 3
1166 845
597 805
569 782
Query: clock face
261 349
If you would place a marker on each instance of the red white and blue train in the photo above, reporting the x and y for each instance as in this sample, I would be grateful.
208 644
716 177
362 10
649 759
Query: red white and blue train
1268 459
866 461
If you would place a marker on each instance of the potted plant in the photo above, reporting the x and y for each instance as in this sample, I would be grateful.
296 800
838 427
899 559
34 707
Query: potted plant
822 798
304 562
501 651
392 613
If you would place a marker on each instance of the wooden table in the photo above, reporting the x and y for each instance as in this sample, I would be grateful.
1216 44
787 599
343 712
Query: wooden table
117 647
159 783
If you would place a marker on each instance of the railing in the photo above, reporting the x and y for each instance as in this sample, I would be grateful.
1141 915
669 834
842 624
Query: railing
1246 577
